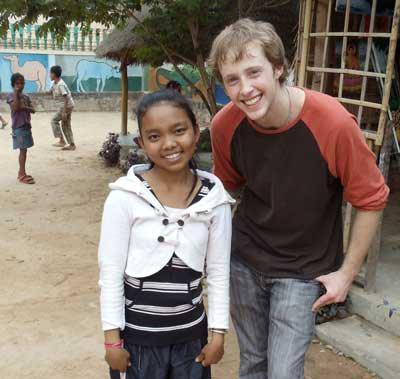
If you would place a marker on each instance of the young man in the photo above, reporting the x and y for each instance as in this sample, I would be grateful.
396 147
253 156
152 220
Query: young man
62 95
294 153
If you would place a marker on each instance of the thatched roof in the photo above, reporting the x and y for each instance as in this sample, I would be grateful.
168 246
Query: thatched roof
120 43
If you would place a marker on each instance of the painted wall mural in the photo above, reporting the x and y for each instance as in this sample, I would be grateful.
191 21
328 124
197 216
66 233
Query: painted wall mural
33 66
85 69
160 76
82 73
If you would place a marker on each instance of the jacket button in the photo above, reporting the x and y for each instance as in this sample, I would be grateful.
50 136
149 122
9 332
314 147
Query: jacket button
160 239
165 221
181 222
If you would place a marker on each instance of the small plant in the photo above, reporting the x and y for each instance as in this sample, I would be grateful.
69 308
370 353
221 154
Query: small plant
110 150
134 157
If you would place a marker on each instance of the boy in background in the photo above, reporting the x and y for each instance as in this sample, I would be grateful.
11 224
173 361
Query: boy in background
62 95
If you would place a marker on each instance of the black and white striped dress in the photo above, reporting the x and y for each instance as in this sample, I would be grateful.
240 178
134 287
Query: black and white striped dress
166 307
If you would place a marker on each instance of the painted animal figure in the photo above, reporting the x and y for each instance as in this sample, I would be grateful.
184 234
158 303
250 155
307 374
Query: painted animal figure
32 70
100 71
164 75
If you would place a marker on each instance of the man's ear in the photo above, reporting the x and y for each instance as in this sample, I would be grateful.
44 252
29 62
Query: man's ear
197 133
278 71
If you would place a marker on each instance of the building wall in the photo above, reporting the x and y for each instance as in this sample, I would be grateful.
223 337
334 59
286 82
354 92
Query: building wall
98 102
84 102
82 73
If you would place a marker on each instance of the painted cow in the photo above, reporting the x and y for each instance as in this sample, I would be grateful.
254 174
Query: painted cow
100 71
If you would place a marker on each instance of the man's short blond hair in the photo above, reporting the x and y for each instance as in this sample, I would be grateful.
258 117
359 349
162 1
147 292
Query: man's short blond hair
234 39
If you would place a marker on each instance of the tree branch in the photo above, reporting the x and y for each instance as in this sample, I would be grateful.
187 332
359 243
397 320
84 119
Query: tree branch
172 60
191 85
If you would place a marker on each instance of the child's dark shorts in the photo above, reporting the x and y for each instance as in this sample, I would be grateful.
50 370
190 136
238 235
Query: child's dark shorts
22 137
166 362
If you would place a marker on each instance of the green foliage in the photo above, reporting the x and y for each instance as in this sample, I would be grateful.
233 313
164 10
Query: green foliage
174 31
60 13
204 144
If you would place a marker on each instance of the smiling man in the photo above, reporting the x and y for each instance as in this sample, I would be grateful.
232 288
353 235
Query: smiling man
293 153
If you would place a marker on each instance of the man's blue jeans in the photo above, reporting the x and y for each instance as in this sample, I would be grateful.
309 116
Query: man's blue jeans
273 321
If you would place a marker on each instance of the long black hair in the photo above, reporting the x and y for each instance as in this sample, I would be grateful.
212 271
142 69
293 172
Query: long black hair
175 99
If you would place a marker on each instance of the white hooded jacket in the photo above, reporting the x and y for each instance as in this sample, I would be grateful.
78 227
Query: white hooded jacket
139 236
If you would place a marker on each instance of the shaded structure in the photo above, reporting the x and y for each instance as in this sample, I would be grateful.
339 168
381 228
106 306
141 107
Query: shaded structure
120 45
347 49
326 41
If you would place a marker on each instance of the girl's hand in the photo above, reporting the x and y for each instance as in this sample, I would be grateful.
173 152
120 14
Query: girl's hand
213 352
118 359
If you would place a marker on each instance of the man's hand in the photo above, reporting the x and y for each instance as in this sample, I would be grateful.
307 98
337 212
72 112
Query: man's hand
118 359
337 285
213 352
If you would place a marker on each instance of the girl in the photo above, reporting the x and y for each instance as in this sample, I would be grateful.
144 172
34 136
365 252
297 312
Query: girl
21 109
161 224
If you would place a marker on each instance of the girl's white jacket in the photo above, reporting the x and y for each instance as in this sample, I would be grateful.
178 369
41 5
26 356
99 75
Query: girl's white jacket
136 240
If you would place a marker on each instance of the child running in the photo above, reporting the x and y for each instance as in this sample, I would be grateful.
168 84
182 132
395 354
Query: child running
62 95
161 224
21 109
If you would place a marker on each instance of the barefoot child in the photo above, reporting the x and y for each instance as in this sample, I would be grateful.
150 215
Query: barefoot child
62 95
161 224
21 109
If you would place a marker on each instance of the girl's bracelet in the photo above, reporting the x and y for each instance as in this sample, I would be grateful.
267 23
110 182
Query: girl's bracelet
115 345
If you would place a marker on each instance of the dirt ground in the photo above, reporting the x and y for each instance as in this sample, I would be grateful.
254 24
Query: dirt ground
49 311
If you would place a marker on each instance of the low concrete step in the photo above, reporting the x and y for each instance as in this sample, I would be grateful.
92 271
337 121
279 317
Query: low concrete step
371 346
383 311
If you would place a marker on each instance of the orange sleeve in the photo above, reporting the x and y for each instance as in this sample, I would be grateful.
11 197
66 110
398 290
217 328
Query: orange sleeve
351 160
223 127
348 156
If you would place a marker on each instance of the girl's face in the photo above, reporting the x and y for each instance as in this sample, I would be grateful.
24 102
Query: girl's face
168 137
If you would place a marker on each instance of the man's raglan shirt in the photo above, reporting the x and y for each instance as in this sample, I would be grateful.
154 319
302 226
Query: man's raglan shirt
289 221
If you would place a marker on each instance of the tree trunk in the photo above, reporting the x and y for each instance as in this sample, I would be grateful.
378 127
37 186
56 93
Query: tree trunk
124 98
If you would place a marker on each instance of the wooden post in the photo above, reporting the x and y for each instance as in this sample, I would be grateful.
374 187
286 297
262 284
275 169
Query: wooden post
326 41
322 22
373 254
296 61
305 43
347 227
367 59
124 98
389 73
344 47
